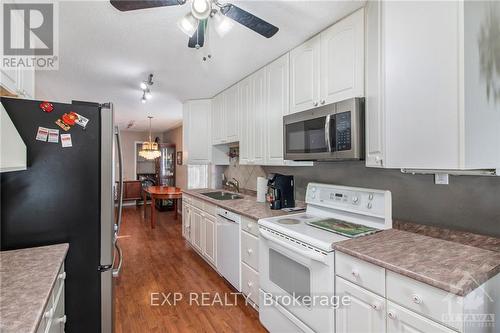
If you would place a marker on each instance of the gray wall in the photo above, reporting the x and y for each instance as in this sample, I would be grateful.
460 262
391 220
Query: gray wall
469 203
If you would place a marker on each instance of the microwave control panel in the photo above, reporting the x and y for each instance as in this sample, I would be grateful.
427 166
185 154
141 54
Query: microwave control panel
343 131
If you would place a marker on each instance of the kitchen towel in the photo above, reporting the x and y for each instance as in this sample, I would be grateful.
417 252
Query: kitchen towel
261 189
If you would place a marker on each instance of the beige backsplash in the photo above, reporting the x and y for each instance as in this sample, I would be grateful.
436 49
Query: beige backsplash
246 175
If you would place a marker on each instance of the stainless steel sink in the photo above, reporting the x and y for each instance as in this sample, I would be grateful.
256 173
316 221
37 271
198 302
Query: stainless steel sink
222 195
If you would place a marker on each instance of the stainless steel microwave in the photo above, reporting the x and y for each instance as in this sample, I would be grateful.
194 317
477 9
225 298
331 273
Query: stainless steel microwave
327 133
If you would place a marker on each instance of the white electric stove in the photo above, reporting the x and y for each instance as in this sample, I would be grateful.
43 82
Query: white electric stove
296 255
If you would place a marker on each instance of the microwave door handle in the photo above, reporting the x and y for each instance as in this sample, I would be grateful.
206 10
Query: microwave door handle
327 133
311 254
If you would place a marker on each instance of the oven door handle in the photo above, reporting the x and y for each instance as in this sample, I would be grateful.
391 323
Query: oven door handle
311 254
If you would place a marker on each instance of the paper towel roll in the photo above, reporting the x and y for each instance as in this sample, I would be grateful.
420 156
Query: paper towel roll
261 189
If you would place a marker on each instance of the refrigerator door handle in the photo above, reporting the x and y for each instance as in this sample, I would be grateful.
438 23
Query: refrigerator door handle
116 271
120 181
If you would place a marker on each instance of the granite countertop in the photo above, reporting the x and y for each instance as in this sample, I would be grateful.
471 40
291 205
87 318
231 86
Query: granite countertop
448 265
248 206
27 277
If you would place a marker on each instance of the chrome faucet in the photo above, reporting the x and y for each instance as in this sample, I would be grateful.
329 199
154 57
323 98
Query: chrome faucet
234 184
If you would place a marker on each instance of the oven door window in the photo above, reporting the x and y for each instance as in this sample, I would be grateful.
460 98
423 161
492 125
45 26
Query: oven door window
289 275
306 136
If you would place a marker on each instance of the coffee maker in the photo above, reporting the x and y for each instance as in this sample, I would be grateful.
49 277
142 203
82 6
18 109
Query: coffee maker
280 192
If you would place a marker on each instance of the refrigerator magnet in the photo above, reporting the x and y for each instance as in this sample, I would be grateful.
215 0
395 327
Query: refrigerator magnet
66 140
61 124
46 107
53 135
42 133
81 120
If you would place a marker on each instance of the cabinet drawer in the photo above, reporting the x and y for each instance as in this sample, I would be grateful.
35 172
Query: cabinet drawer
210 209
365 274
197 203
250 226
424 299
186 199
250 250
250 283
400 319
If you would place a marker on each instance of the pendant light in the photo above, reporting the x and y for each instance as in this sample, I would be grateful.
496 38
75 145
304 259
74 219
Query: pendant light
149 148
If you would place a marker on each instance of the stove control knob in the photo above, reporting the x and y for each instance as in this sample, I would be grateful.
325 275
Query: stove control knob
369 205
355 200
313 189
370 197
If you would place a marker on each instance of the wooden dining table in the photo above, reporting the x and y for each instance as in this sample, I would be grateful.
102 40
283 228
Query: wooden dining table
160 193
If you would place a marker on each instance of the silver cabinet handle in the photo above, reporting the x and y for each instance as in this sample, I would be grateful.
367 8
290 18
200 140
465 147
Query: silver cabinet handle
315 103
62 320
323 102
62 276
249 251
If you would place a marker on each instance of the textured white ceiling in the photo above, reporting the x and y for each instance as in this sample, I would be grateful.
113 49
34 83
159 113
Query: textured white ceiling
105 53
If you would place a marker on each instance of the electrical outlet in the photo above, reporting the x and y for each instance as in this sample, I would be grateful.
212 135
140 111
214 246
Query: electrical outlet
441 179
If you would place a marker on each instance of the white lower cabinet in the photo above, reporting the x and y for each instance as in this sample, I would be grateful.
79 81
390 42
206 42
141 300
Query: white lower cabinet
196 224
365 313
186 219
401 320
53 319
209 235
250 259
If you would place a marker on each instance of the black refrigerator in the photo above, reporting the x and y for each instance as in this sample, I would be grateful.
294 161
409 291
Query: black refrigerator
66 195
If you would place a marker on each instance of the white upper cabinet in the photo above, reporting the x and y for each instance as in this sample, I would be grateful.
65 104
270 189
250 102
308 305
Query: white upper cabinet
231 114
18 81
12 146
196 130
225 117
330 66
428 105
218 120
342 59
246 120
305 75
277 82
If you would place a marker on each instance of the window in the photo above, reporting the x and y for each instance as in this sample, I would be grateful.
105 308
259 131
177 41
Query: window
197 176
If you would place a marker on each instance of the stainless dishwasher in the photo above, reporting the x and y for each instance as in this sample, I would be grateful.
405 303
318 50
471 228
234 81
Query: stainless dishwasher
228 246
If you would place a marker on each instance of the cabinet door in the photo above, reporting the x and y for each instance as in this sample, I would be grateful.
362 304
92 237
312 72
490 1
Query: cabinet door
277 107
196 221
259 113
365 313
401 320
218 124
209 245
304 75
246 120
342 59
199 147
186 223
374 112
231 113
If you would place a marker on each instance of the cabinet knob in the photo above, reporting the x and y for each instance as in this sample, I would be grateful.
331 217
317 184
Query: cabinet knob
392 315
249 251
315 103
249 284
62 320
376 306
249 226
355 273
416 299
62 276
323 102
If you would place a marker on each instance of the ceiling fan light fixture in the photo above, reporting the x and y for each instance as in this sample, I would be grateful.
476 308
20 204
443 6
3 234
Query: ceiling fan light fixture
201 9
188 24
143 85
223 24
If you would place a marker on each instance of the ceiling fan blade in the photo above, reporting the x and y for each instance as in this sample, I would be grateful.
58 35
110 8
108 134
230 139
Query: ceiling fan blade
249 20
126 5
198 37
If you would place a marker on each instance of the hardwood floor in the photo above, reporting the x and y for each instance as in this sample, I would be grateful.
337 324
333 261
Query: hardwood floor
160 261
